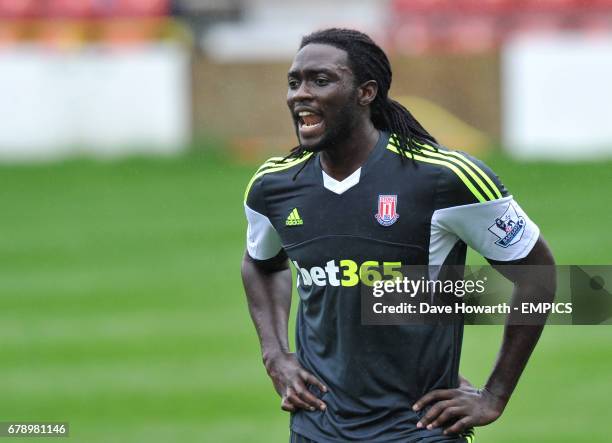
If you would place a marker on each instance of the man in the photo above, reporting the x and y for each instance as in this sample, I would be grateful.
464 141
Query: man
367 184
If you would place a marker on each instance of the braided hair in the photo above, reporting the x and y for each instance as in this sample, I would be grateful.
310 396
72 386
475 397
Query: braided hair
369 62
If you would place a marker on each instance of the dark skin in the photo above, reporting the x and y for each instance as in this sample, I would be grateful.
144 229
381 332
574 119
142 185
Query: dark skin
320 80
464 407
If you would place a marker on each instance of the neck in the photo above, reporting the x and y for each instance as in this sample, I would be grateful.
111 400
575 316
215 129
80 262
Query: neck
351 153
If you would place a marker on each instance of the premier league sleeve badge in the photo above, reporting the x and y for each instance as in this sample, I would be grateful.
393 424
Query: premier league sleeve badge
508 227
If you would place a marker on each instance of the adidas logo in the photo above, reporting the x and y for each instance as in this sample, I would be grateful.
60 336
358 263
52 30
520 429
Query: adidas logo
294 218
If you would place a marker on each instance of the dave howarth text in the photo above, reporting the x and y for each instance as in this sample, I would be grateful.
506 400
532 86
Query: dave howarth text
413 287
426 308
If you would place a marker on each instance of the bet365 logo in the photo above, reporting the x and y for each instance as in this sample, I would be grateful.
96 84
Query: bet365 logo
348 273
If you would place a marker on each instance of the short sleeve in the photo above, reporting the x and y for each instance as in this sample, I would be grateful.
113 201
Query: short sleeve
498 230
263 241
475 207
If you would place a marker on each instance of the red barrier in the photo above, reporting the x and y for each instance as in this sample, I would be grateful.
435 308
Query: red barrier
19 8
481 25
80 9
494 6
553 6
68 8
487 6
136 8
422 6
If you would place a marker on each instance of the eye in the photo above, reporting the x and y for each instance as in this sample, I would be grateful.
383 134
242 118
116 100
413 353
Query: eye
322 81
293 83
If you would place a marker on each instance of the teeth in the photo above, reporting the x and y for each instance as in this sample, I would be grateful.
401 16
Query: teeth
305 113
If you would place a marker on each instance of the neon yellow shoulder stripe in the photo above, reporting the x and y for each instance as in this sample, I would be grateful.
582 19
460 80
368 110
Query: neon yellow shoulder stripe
449 165
483 174
270 162
280 167
466 168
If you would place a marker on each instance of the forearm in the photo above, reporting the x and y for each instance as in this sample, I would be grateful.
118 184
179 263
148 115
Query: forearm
518 344
466 406
534 285
269 300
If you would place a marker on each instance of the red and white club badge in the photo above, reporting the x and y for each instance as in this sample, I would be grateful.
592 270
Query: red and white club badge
387 210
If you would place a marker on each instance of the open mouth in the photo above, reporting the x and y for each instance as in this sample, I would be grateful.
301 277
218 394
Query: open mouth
310 124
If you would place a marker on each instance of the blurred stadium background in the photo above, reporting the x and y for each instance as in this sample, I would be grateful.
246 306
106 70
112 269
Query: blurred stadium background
128 130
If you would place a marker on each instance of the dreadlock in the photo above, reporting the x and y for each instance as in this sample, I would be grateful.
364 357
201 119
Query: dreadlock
369 62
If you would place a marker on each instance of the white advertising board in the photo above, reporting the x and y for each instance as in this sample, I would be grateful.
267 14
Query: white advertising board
557 97
93 101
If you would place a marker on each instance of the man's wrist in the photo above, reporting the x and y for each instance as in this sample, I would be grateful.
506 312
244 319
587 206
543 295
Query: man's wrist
501 398
269 356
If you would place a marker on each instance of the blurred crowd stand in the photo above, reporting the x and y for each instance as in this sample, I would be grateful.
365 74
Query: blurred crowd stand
420 26
238 52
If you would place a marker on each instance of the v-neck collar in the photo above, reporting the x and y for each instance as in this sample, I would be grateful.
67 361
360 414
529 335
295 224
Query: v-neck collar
341 186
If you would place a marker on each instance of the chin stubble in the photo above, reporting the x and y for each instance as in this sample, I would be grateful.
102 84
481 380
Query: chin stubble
333 133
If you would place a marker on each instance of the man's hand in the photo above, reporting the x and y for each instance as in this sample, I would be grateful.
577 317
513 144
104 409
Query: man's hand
461 408
291 382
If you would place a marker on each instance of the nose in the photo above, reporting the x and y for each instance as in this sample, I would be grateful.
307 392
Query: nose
301 94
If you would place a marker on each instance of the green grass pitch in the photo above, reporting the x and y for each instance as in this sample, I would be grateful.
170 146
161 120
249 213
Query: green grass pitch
122 311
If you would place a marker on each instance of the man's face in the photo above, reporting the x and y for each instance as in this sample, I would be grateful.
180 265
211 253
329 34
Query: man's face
322 96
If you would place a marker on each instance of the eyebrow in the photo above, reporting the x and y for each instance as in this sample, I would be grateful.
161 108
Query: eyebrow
312 71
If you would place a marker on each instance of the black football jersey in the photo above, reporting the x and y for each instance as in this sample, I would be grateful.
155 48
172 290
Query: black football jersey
391 212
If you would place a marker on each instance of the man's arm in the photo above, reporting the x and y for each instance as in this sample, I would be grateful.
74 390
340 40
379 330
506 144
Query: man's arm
466 406
268 289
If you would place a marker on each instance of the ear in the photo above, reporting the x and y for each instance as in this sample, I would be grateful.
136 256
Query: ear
366 92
